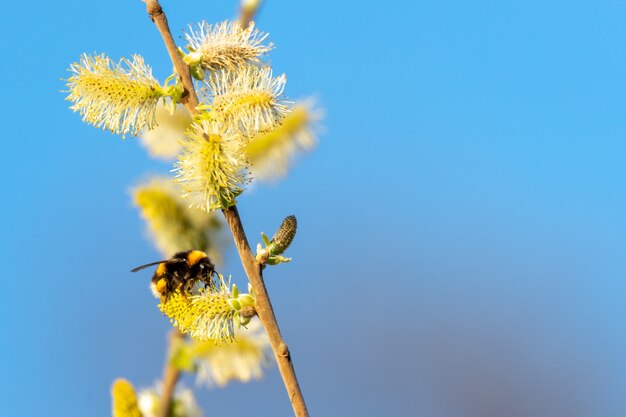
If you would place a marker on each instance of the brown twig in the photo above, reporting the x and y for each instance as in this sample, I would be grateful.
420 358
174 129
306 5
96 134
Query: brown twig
251 266
189 99
266 312
171 375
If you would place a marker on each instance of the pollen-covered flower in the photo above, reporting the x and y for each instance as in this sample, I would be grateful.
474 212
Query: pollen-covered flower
250 99
173 225
163 141
271 152
183 402
212 169
207 315
119 97
225 45
124 399
243 360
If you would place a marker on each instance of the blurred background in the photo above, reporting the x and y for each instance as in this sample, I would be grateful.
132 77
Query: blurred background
461 237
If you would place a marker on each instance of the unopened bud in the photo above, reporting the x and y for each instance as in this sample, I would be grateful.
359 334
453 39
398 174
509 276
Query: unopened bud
248 312
284 235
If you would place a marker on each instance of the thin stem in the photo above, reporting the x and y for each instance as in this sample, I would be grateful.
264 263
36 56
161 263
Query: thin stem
266 312
189 99
171 375
251 266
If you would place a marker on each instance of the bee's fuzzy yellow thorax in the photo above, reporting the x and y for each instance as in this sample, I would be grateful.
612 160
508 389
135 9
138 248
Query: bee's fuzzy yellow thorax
195 256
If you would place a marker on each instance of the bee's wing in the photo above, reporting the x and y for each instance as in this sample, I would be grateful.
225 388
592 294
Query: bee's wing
173 260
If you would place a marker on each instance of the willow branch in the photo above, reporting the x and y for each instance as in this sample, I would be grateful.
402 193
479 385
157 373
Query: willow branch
171 375
251 266
265 312
189 99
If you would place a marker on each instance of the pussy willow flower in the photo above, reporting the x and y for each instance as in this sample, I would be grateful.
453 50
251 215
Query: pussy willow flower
124 399
225 45
249 98
183 402
243 360
163 141
207 315
271 152
172 224
212 169
119 97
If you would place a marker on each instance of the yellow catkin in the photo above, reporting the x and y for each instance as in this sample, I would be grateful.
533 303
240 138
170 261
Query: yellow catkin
212 169
243 360
173 225
249 99
270 153
119 97
229 106
163 140
183 402
124 399
207 316
226 45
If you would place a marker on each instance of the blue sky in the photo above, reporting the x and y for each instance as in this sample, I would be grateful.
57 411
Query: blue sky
462 231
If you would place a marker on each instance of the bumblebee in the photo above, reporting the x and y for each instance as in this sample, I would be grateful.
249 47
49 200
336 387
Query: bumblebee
180 272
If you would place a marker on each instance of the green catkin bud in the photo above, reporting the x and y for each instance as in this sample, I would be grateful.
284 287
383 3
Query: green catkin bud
271 253
283 236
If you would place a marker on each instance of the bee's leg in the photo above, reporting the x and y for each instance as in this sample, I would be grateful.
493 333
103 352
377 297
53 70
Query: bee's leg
176 282
207 280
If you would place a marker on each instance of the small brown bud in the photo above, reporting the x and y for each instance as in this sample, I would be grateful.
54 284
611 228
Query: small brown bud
284 235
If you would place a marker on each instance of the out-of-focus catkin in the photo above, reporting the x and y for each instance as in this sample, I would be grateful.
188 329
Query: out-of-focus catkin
124 399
